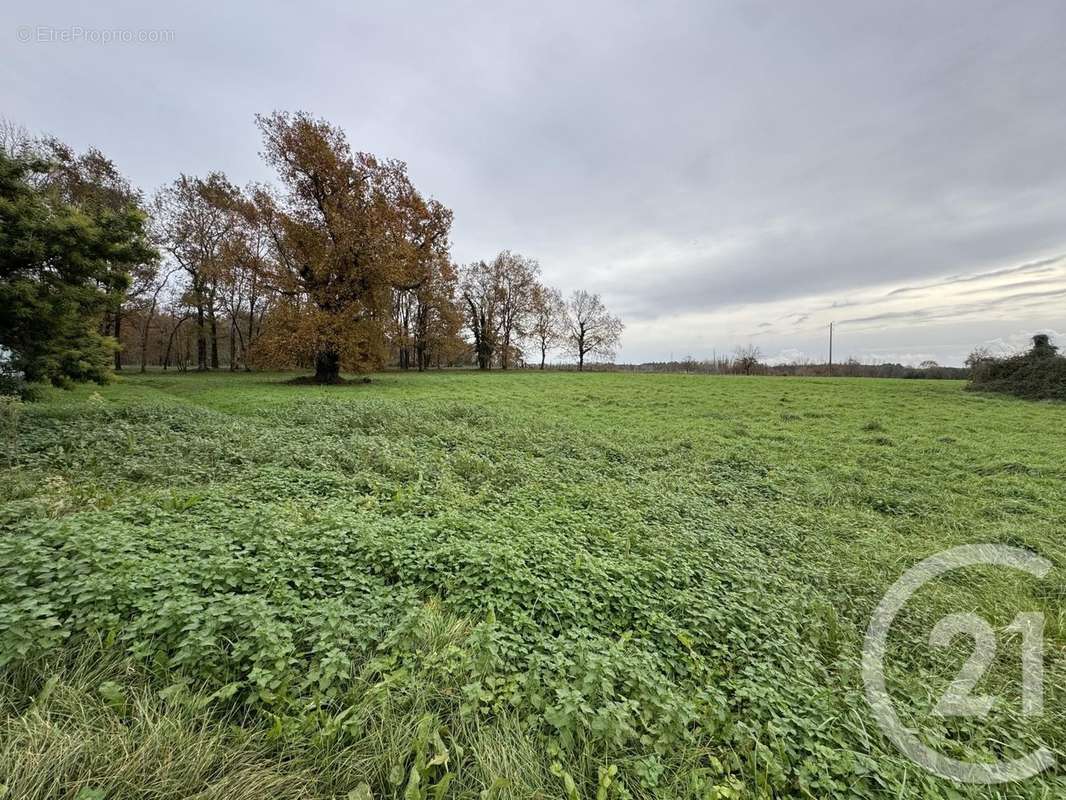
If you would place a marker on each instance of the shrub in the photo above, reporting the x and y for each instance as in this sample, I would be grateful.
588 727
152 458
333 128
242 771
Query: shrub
1039 374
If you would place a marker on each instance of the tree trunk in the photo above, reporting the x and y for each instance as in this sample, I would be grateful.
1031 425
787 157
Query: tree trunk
170 342
118 333
405 347
543 354
251 329
327 366
144 341
481 349
201 338
233 346
580 362
214 340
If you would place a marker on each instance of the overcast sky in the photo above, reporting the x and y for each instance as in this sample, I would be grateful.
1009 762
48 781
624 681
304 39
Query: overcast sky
723 173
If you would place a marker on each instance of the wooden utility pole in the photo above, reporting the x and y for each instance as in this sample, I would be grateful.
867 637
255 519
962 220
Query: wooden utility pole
830 349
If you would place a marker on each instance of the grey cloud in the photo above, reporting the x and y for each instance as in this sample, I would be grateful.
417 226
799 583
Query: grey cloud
1019 300
1005 287
1023 296
1043 265
917 314
678 157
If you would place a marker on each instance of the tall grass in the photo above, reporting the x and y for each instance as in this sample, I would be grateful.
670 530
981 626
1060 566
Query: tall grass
90 726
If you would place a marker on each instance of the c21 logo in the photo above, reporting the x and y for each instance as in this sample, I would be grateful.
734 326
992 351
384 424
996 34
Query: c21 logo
959 698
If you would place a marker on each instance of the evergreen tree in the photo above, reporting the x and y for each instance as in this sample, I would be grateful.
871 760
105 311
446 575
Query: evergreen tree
61 267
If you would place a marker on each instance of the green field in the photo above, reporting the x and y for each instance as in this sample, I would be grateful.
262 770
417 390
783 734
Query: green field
509 585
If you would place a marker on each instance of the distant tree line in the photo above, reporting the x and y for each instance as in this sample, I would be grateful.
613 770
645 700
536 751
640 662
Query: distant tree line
748 361
341 263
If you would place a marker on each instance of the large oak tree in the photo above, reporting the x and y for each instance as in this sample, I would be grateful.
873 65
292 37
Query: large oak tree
348 229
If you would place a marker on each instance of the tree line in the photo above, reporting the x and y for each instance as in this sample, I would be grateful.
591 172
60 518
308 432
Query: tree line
339 264
748 361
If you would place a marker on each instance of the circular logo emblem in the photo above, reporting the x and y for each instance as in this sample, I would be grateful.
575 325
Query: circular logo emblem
958 700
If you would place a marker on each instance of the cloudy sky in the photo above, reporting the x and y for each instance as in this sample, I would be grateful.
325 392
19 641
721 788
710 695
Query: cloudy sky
723 173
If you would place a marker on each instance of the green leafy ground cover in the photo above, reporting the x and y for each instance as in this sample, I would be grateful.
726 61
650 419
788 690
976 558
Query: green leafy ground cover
509 585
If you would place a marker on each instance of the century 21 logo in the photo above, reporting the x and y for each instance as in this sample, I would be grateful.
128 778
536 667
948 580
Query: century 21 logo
959 698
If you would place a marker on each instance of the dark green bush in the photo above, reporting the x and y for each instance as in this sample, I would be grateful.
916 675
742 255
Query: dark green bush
1039 374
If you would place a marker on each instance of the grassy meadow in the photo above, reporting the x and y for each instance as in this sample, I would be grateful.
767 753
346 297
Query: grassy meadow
510 585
